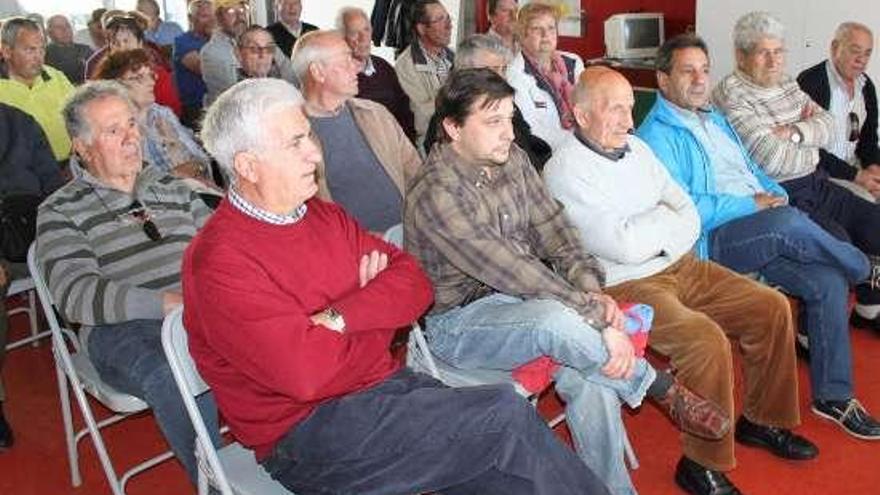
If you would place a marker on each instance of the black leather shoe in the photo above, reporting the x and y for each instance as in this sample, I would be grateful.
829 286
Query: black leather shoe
698 480
851 416
859 321
781 442
6 438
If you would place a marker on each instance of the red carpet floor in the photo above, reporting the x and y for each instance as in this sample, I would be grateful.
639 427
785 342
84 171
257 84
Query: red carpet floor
37 464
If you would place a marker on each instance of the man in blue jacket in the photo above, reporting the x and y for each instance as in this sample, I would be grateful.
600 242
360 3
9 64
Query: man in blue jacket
748 226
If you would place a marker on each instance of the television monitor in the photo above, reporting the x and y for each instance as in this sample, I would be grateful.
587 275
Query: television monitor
629 36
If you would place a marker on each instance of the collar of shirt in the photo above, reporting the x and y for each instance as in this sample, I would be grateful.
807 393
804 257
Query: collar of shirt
295 31
474 173
262 215
369 68
613 155
836 81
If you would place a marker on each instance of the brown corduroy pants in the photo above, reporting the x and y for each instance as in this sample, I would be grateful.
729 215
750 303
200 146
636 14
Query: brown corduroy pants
700 308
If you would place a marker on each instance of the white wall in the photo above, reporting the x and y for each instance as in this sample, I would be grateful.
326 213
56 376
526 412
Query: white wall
809 26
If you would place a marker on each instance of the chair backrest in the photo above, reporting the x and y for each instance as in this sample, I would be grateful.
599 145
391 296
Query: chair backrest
190 384
45 297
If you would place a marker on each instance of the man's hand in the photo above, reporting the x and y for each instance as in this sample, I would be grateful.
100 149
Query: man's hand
764 201
783 131
613 315
170 300
371 265
621 355
807 111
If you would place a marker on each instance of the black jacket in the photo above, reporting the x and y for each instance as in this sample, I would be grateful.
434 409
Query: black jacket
284 39
814 82
27 165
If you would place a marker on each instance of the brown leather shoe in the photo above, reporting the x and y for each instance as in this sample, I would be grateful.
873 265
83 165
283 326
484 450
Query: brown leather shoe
694 414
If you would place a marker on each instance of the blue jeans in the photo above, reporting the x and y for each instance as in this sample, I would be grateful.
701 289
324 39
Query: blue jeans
791 251
412 434
504 332
129 357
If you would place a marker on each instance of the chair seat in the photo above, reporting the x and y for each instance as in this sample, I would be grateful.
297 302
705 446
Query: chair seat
107 395
20 285
245 475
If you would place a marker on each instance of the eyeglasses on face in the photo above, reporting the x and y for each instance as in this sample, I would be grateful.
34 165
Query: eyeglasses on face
259 50
140 77
139 213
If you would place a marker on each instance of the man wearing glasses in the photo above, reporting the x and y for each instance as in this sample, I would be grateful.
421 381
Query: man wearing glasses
256 54
425 64
841 86
110 244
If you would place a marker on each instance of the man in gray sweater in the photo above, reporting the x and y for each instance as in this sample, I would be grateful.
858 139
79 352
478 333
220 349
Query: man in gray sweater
109 244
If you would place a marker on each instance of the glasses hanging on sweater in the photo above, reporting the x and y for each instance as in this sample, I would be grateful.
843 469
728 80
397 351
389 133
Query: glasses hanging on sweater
135 213
854 127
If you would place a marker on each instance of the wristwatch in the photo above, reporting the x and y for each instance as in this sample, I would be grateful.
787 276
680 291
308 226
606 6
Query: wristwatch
334 320
796 137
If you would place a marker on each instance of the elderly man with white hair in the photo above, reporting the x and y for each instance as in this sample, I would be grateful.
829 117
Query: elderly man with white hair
785 132
63 52
290 309
841 86
377 80
367 159
109 245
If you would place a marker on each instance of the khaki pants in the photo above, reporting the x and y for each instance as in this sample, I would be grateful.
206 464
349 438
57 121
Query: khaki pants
700 307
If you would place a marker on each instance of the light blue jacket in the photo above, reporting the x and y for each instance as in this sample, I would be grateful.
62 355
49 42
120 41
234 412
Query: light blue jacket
687 161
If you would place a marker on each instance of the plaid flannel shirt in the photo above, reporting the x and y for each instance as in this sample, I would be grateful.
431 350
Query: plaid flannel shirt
477 233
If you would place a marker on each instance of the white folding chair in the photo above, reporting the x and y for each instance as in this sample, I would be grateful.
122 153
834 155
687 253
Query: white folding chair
233 469
19 286
75 369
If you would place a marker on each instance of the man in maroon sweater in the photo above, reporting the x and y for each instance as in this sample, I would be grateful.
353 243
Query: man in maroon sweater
291 308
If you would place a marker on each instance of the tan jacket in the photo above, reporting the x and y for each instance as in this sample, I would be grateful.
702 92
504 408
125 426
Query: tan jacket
421 83
387 140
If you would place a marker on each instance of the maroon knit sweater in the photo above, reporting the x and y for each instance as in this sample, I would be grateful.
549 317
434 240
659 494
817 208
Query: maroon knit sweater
249 288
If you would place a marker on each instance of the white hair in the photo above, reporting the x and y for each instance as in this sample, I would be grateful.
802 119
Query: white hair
74 108
308 50
755 26
345 13
195 5
844 30
235 121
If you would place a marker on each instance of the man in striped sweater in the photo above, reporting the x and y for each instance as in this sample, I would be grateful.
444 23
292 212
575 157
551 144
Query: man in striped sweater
109 244
784 131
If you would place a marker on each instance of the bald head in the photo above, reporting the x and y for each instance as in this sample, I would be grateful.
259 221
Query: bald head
603 103
325 68
59 30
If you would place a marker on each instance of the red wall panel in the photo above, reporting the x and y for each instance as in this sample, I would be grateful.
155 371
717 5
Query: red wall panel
679 15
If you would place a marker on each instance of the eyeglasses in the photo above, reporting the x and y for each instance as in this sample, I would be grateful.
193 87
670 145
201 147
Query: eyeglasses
139 213
259 50
140 78
854 127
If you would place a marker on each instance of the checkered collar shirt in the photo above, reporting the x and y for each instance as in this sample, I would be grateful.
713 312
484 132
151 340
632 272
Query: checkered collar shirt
262 215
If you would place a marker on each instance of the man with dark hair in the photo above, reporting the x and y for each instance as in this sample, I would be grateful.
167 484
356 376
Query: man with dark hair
425 64
747 225
479 51
290 310
841 86
502 22
27 168
377 80
31 86
289 27
483 225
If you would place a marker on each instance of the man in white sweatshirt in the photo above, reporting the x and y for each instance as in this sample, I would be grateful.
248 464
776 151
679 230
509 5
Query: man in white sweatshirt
642 227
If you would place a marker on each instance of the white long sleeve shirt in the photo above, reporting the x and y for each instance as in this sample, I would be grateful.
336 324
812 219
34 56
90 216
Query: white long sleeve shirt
630 212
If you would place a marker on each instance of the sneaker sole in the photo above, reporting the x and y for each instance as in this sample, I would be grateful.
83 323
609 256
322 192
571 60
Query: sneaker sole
828 417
